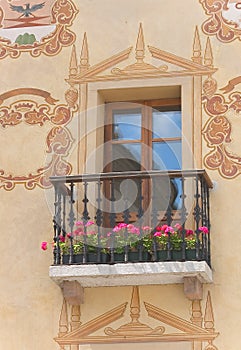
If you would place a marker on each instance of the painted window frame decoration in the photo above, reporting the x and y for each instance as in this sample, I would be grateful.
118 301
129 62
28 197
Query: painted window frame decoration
63 13
222 20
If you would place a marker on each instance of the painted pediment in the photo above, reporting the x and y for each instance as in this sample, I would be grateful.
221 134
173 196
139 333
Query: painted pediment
135 330
166 64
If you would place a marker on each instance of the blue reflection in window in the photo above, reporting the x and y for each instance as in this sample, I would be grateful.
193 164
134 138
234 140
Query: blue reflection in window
127 125
166 124
167 155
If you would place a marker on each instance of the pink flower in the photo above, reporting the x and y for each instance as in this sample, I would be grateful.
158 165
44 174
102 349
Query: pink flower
144 228
157 234
69 235
133 229
178 226
169 229
158 228
91 232
89 223
203 229
163 228
44 245
78 232
79 223
119 227
62 238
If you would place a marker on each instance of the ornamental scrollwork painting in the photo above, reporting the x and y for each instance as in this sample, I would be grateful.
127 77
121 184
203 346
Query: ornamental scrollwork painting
37 27
218 129
58 140
224 19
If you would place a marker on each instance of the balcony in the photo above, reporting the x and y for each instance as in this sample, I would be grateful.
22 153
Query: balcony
132 228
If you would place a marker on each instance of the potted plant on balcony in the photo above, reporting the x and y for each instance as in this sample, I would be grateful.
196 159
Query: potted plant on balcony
87 245
171 240
126 241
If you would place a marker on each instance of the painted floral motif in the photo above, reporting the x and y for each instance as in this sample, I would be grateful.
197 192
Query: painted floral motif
59 141
217 130
224 19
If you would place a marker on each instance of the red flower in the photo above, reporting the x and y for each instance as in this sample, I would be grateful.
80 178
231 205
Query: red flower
189 233
44 245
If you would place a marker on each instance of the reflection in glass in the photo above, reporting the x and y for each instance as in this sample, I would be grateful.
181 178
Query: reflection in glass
167 155
127 125
166 124
126 157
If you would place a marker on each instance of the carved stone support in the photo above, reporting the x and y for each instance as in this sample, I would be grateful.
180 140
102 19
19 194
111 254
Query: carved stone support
73 292
193 288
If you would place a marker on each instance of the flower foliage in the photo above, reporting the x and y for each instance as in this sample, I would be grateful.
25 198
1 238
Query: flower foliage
88 235
175 236
126 235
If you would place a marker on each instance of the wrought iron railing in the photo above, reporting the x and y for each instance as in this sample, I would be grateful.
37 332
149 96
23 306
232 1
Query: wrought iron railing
106 217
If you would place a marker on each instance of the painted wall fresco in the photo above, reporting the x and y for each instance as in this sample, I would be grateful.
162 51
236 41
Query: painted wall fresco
224 19
58 139
218 129
199 331
36 27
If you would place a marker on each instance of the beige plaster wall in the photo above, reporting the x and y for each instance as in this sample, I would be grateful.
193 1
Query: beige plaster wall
30 301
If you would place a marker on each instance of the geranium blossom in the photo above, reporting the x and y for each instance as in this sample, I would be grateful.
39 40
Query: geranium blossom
44 245
203 229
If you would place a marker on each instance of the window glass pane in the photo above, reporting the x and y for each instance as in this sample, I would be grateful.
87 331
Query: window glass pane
167 191
126 157
127 125
166 124
167 155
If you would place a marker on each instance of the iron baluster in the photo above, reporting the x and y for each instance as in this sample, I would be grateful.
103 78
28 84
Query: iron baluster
208 225
71 220
58 223
197 217
183 218
126 217
154 217
112 219
55 223
85 217
64 216
140 221
204 219
99 220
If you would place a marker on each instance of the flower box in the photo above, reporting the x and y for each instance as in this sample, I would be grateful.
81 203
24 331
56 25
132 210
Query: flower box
92 258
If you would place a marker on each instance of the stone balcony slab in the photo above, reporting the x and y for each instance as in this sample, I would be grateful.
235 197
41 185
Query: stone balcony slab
122 274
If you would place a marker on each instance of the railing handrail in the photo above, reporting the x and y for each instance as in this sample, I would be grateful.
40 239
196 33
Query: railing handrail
132 174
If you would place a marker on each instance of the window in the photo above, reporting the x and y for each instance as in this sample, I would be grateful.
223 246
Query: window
146 136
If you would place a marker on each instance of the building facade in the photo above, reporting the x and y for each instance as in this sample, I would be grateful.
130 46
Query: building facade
120 120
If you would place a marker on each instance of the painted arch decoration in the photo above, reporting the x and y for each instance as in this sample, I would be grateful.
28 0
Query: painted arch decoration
224 19
36 27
